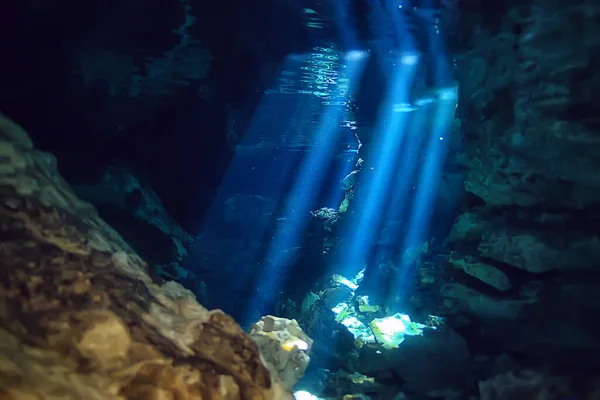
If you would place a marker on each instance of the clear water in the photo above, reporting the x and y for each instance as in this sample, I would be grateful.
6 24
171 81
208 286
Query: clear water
280 172
292 109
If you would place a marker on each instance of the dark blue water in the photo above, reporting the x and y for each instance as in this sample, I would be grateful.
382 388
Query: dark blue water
311 98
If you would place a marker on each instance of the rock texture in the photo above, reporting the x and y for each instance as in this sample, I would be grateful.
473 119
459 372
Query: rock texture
160 88
284 346
128 203
80 316
527 81
528 247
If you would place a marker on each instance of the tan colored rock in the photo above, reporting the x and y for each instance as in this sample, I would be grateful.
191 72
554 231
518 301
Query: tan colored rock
284 346
81 318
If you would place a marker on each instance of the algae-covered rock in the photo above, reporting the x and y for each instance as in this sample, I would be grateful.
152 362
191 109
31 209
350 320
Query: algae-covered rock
365 307
391 331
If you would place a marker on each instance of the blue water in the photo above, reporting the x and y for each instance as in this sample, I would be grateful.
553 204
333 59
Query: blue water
261 198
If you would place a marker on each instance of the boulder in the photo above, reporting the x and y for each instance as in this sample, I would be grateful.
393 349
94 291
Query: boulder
80 317
284 346
431 362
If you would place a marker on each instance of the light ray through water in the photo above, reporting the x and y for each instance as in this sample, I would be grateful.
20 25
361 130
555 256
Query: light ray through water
372 193
290 230
428 183
402 188
243 169
435 156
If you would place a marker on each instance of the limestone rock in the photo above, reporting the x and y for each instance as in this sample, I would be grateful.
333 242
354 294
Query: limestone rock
527 102
357 384
551 315
459 296
535 252
524 385
284 346
350 180
469 226
81 318
129 204
482 271
528 240
434 361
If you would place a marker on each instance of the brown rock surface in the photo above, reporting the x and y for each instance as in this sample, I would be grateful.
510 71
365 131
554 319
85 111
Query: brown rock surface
81 318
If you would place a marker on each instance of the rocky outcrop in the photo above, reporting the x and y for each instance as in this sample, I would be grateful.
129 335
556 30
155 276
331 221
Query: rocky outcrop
158 89
527 84
129 204
284 346
80 316
524 385
527 256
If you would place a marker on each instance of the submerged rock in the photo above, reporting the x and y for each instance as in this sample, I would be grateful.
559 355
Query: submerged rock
527 109
284 346
482 271
539 252
531 160
524 385
129 204
433 361
80 317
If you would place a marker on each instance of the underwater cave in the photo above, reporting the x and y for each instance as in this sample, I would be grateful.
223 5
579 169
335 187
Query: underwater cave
309 200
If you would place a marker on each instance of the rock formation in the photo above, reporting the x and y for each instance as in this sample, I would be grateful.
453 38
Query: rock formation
128 203
284 347
80 317
531 155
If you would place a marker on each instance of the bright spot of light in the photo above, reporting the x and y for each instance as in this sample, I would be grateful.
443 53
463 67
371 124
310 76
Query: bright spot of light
345 281
351 285
290 344
450 93
352 322
304 395
441 138
358 329
338 309
359 276
423 101
403 107
409 59
390 331
356 55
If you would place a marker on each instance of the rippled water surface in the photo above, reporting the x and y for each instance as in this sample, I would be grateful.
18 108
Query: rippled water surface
292 112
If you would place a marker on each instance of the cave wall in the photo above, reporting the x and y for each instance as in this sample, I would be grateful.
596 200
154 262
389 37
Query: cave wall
148 86
526 255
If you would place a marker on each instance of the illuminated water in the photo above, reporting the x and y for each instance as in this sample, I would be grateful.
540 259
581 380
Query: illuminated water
299 146
309 83
292 109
